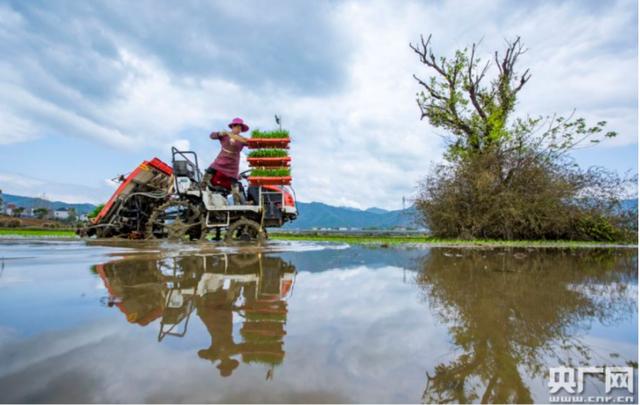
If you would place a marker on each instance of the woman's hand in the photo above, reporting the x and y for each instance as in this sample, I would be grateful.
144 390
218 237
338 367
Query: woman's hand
218 134
238 138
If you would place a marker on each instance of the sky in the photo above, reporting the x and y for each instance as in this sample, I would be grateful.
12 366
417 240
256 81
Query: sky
88 90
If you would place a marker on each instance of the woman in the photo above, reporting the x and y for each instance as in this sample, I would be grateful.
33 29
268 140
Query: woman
224 169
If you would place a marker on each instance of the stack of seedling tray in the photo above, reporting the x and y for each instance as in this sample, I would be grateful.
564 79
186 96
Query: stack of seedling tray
269 158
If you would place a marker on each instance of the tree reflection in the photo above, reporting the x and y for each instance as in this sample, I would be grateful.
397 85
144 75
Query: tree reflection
511 312
252 286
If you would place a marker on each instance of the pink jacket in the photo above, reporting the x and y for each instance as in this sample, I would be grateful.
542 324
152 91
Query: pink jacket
228 160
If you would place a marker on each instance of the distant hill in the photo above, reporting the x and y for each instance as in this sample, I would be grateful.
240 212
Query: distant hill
376 210
320 215
311 215
34 202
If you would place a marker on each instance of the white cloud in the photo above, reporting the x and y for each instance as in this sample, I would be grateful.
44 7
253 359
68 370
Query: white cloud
14 129
59 120
180 144
12 183
17 181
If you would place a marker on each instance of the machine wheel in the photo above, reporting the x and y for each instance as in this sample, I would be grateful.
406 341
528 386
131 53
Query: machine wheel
104 232
245 230
175 220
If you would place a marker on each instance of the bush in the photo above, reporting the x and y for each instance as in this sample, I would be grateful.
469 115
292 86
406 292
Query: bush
11 223
95 211
596 227
508 196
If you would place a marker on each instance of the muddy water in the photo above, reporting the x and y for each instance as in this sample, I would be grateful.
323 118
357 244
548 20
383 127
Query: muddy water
304 322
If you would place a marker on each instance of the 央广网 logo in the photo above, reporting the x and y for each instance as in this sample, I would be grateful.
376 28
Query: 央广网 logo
567 383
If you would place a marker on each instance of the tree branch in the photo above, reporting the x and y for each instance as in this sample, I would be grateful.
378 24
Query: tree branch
474 83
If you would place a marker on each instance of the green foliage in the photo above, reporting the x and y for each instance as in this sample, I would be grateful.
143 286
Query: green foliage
596 227
478 115
504 177
276 133
40 213
96 211
267 172
524 194
269 153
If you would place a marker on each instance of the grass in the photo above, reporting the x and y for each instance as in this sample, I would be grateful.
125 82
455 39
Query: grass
268 153
353 239
26 232
276 133
415 239
276 172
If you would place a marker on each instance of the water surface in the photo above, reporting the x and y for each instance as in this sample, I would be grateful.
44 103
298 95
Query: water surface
306 322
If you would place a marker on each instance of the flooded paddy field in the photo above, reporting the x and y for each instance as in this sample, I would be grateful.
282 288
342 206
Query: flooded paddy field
308 322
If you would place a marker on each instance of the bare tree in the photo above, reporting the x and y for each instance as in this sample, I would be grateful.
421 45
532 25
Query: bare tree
456 99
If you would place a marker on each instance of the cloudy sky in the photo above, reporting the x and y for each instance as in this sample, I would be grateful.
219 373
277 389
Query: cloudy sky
90 89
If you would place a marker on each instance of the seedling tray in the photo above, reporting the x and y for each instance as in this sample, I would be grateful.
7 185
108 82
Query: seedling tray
269 161
263 181
258 143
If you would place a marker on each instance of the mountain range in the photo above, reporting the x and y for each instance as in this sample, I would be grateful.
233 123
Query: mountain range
319 215
311 215
35 202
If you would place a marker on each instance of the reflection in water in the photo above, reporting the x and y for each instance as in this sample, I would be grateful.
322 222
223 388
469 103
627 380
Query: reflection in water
509 314
251 285
516 314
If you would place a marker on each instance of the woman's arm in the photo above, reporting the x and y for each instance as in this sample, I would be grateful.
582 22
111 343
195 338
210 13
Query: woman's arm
240 138
218 134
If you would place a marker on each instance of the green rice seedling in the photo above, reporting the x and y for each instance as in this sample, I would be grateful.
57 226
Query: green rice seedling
275 172
268 153
276 133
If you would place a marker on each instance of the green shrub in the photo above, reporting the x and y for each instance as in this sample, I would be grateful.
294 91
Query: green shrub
596 227
276 133
538 199
266 172
95 211
268 153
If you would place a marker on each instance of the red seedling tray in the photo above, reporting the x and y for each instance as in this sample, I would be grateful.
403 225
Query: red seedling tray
269 161
258 143
263 181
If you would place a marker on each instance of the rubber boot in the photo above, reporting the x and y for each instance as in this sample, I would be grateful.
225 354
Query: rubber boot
238 198
206 179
